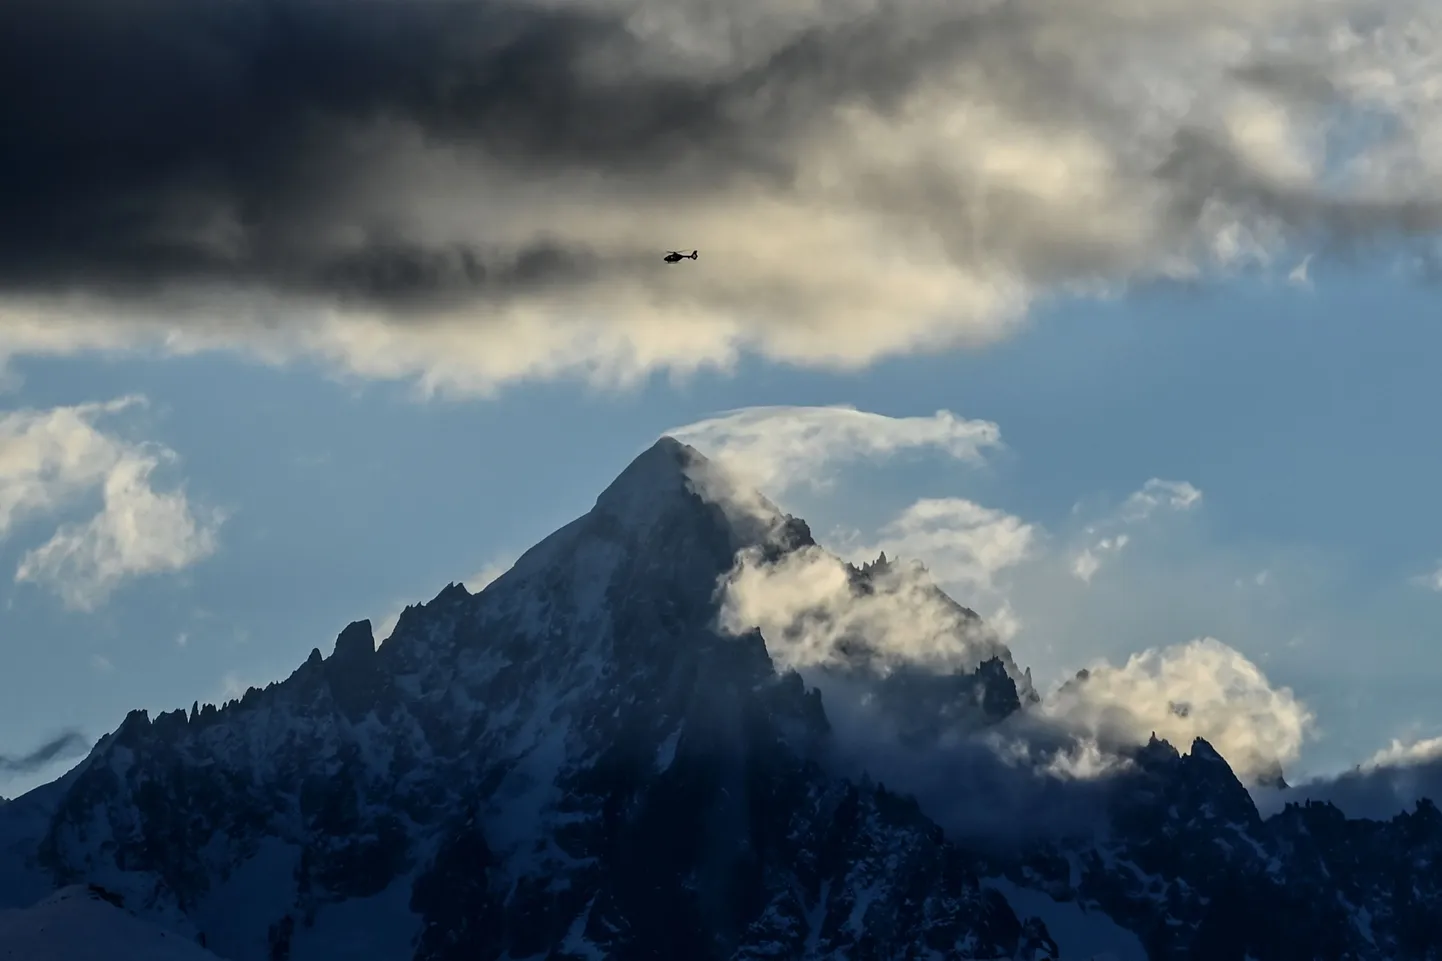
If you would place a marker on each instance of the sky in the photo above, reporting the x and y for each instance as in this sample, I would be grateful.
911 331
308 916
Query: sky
1122 319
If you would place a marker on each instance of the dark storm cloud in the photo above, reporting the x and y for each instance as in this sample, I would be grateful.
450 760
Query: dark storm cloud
404 273
149 142
130 123
405 157
67 744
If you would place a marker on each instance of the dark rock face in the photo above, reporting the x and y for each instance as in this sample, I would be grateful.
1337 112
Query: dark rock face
923 704
576 764
1191 867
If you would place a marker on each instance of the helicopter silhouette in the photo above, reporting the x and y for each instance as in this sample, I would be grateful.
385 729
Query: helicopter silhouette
675 257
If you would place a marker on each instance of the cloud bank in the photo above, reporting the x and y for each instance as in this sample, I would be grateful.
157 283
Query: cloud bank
1202 688
51 459
824 617
476 191
814 610
1390 781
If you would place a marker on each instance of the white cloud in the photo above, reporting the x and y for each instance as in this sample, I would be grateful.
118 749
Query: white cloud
778 448
1158 494
960 541
1039 590
482 578
139 532
1085 564
811 612
1301 274
973 551
51 458
1405 754
102 664
1003 621
1155 495
1199 689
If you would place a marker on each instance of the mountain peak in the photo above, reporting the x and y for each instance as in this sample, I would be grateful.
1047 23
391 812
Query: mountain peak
659 474
670 474
355 642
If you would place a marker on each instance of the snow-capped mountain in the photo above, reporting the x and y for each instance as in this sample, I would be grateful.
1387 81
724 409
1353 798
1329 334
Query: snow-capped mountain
579 762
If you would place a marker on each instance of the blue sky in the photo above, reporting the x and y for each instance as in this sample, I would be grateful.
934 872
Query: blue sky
1304 416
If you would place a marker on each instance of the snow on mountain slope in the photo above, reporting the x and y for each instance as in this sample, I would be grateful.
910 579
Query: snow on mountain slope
78 923
1080 935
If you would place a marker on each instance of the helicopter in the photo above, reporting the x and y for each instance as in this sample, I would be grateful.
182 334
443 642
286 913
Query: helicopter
675 257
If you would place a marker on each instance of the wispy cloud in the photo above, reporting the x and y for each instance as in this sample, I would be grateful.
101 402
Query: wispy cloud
49 459
66 744
961 542
482 578
1159 494
1301 275
1105 536
1085 564
486 199
1432 580
780 448
1402 753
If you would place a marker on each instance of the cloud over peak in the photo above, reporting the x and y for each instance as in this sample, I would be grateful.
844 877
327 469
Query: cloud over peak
777 448
476 191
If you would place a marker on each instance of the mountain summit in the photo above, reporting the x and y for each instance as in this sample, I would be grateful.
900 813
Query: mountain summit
658 479
579 762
